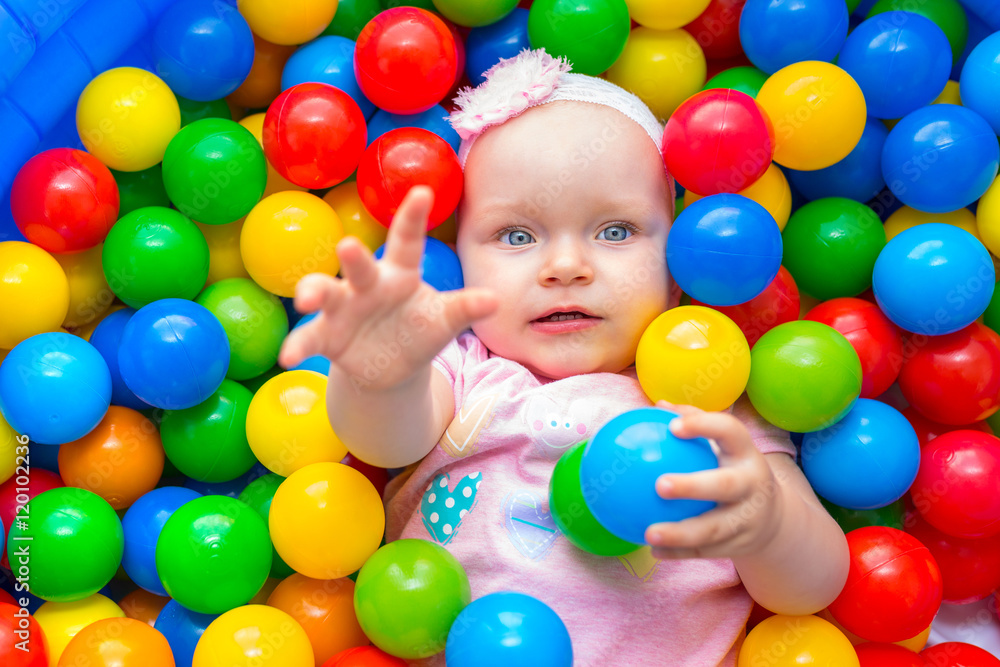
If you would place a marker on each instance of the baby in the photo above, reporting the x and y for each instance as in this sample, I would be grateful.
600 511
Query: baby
562 236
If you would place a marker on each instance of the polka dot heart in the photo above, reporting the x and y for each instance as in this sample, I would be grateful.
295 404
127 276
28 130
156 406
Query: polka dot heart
442 509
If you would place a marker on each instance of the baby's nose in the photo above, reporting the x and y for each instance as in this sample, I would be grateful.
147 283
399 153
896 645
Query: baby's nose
566 267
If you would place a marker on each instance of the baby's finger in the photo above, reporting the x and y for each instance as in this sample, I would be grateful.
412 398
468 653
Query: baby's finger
299 345
357 264
463 307
727 431
723 485
703 534
407 234
317 291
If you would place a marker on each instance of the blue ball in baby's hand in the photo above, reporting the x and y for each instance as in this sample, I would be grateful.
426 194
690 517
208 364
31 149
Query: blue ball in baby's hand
622 463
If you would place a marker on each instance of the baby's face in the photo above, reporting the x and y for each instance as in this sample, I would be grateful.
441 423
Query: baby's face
565 217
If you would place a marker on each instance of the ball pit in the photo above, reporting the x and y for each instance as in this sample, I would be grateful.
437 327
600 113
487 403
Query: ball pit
770 191
240 636
328 60
124 642
858 176
142 525
324 609
258 494
182 629
61 621
777 304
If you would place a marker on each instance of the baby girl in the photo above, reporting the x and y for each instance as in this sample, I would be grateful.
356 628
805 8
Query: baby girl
562 234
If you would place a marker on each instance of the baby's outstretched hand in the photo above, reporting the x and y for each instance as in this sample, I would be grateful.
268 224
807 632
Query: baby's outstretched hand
380 322
744 487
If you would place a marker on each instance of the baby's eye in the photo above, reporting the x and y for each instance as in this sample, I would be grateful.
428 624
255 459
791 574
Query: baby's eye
516 237
614 233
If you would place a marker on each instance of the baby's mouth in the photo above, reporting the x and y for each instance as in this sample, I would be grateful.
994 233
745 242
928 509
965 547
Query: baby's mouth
562 316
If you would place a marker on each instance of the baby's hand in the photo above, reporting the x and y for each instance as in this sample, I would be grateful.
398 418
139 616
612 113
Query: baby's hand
744 487
381 323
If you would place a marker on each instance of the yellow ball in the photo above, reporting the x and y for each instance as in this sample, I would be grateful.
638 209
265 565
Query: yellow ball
987 219
34 292
340 499
787 641
275 181
8 449
907 217
356 219
126 117
287 424
447 231
61 621
89 294
288 21
770 191
662 67
818 112
287 236
224 258
693 355
950 94
254 635
665 14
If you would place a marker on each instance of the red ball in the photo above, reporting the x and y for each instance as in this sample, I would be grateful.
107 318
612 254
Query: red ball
955 378
314 135
405 157
958 654
364 656
379 477
405 60
956 488
874 654
14 619
718 141
64 200
893 586
777 304
878 342
970 569
7 598
716 66
717 29
927 429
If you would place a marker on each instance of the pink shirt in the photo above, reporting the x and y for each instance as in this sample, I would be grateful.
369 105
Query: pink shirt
482 492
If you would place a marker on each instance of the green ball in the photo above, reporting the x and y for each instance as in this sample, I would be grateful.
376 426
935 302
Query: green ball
804 376
475 14
213 554
255 322
253 384
590 33
744 79
852 5
74 542
138 189
947 14
155 253
890 515
258 495
214 171
571 514
407 596
208 442
351 17
192 110
423 4
830 247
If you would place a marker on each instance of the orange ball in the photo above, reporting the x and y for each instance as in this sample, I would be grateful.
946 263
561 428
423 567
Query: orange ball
118 642
263 84
142 605
325 610
120 460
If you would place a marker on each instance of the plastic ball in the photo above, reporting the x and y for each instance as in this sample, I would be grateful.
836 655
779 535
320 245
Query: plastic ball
891 515
433 120
804 376
958 654
665 16
724 225
90 297
287 236
182 629
948 15
474 14
123 642
135 140
928 429
10 442
901 60
142 525
980 80
591 34
173 354
263 84
405 157
893 587
787 641
192 110
203 50
440 267
39 481
364 656
76 541
356 220
288 21
34 292
213 554
933 279
770 191
745 79
906 217
858 176
488 45
887 655
662 67
352 16
155 253
214 171
224 258
61 621
54 387
64 200
324 609
405 60
258 494
138 189
970 568
408 595
15 627
314 135
987 221
275 181
940 158
778 34
818 112
143 606
328 60
106 339
717 29
242 637
627 504
777 304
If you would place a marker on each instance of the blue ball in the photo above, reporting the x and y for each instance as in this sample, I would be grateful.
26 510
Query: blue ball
106 338
54 388
439 267
433 120
858 176
317 363
44 456
901 60
142 524
865 461
504 629
980 83
486 46
724 249
777 33
203 49
621 464
940 158
328 60
173 354
978 31
232 488
933 279
182 629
